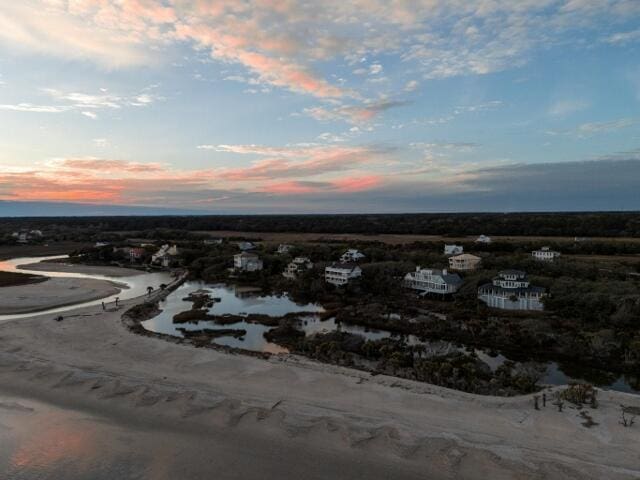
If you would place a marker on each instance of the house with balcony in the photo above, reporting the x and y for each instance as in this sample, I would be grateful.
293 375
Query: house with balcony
351 256
247 262
296 267
453 249
339 274
464 263
545 254
431 280
511 290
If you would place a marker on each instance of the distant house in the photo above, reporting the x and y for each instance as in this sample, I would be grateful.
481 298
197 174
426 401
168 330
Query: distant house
101 244
453 249
297 266
431 280
341 273
165 255
25 236
352 255
464 263
284 248
511 290
136 253
483 239
545 254
244 246
247 262
212 241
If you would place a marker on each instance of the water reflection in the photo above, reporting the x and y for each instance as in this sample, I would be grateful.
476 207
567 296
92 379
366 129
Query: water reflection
134 285
249 301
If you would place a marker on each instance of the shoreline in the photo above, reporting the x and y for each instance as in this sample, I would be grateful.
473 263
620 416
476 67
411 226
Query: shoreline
129 375
60 292
61 267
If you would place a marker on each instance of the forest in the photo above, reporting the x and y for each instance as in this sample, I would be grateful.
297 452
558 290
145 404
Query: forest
594 224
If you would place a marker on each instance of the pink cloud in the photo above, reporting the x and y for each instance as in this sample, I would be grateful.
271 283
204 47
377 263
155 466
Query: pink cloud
358 184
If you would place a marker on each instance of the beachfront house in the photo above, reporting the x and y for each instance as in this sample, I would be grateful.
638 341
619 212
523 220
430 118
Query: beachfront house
352 255
483 239
511 290
453 249
247 262
136 253
297 266
25 236
284 248
545 254
165 256
464 263
341 273
431 280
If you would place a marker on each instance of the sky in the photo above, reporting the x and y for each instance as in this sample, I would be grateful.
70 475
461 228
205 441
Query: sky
283 106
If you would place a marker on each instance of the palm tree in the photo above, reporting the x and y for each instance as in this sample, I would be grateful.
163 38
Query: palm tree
149 290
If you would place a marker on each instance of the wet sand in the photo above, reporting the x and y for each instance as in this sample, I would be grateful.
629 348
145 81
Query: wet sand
288 415
52 293
77 268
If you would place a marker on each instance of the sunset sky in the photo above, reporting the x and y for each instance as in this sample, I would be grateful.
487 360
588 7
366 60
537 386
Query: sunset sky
322 106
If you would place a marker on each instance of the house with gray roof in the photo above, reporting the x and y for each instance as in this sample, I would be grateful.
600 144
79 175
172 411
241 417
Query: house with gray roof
431 280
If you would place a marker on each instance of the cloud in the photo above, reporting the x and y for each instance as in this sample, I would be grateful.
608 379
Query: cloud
85 103
354 114
623 38
286 44
589 129
565 107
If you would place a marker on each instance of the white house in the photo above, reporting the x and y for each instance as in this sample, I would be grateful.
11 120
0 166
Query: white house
464 263
351 255
431 280
453 249
545 254
483 239
244 246
284 248
511 290
248 262
298 265
165 255
341 273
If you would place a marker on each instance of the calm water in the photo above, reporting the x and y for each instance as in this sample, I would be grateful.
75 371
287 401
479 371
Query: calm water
132 286
244 303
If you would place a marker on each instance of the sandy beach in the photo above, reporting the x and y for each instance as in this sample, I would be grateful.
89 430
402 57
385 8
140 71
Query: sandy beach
373 426
77 268
52 293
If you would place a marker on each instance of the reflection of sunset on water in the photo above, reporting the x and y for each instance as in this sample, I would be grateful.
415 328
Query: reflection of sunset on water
57 441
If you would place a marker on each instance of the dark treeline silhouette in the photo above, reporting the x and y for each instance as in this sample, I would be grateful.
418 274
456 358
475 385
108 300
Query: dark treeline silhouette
592 224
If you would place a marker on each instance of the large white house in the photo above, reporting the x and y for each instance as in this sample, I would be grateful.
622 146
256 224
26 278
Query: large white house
297 266
511 290
483 239
431 280
248 262
545 254
464 263
453 249
351 255
341 273
165 255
